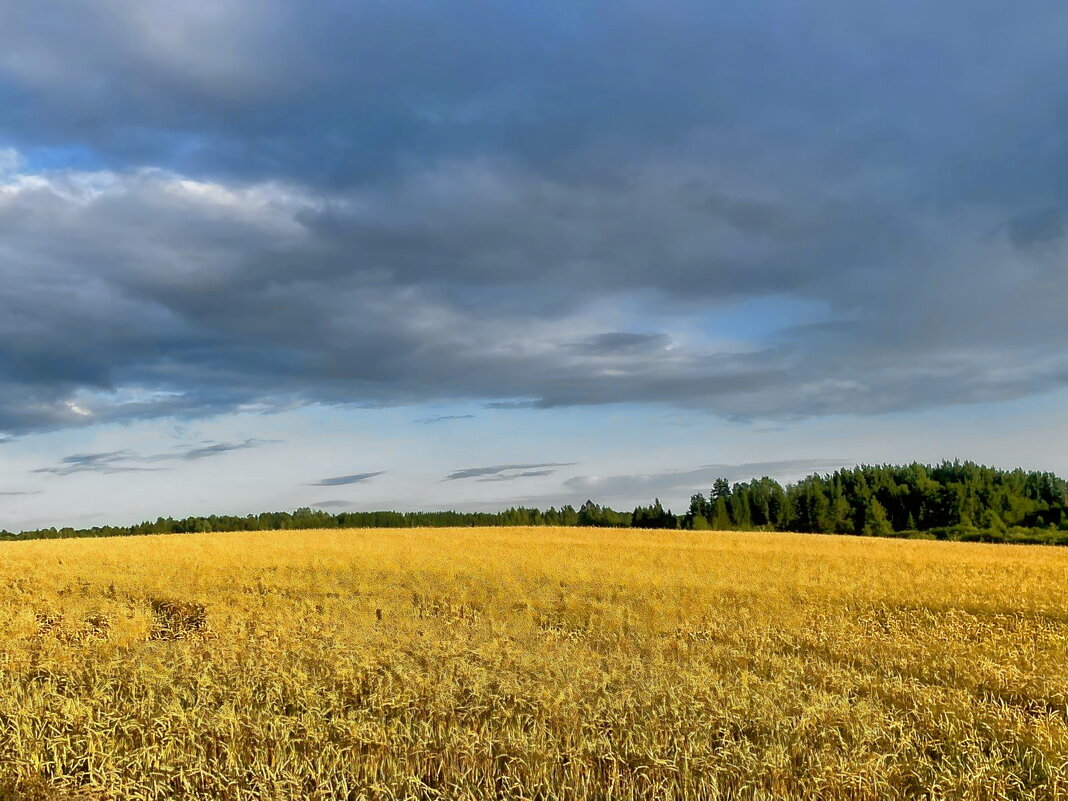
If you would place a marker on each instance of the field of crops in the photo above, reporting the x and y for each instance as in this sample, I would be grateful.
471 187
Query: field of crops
532 663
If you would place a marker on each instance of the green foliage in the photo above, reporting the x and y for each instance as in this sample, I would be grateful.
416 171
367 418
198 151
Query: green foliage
654 516
593 515
876 523
721 488
952 500
721 519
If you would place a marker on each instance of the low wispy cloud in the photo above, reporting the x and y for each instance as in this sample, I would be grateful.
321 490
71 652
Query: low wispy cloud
125 461
335 504
672 487
216 449
505 472
514 476
638 486
355 478
17 493
102 462
445 418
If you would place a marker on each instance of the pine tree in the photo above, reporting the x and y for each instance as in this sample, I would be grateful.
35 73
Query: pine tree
739 507
699 509
840 514
721 488
876 523
721 519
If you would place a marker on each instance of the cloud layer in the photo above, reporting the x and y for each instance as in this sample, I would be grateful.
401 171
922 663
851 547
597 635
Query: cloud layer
506 472
356 478
124 461
212 207
672 483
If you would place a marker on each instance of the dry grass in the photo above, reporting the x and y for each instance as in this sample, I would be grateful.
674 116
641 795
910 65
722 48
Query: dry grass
532 663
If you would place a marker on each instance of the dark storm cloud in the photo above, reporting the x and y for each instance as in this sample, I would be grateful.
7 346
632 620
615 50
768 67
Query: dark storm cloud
355 478
619 343
504 472
344 92
209 207
1037 229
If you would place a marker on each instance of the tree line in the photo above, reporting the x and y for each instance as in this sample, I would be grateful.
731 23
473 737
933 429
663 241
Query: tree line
951 500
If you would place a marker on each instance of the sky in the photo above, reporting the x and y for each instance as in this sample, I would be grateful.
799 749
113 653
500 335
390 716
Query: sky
420 255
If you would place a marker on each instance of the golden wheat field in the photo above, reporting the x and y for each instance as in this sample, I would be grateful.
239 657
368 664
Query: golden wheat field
532 663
